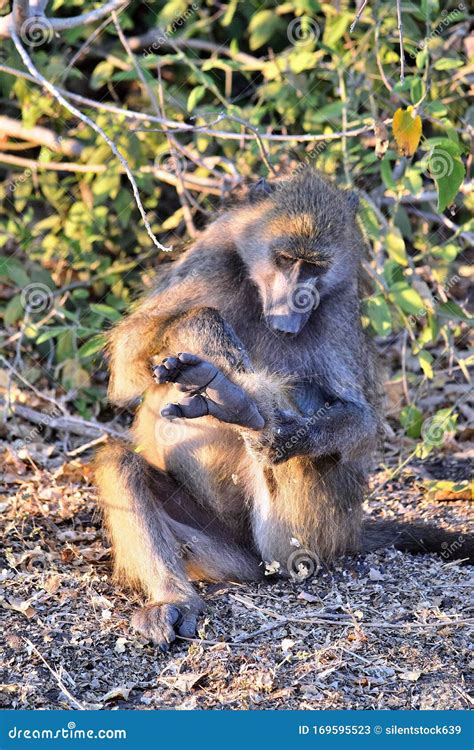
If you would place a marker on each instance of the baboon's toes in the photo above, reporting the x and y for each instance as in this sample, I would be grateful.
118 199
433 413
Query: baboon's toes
189 408
158 623
167 371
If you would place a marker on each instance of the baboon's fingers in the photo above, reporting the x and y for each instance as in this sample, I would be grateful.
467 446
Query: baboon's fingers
157 622
189 408
187 628
189 359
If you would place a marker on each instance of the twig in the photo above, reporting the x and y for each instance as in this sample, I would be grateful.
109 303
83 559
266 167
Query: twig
84 118
86 446
247 61
182 127
9 22
32 388
358 15
445 221
192 182
42 136
75 425
400 36
56 676
160 111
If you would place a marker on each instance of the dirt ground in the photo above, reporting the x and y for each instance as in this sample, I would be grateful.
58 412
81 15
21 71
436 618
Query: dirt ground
385 630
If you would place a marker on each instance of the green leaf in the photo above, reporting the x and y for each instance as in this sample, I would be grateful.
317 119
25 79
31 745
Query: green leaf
425 359
50 333
101 75
396 246
451 310
448 63
263 26
13 311
336 25
106 311
94 345
13 269
230 12
447 170
407 299
411 418
195 97
379 315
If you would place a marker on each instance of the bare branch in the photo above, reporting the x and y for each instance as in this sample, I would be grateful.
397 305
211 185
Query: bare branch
84 118
180 127
400 36
358 15
156 37
160 111
15 19
42 136
190 180
74 425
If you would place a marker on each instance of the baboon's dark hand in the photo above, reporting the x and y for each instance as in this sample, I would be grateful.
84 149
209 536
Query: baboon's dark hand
212 392
161 623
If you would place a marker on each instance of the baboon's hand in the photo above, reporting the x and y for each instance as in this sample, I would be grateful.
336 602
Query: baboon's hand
161 623
213 393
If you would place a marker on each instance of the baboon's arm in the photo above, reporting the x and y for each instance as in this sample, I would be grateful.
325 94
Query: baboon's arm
340 429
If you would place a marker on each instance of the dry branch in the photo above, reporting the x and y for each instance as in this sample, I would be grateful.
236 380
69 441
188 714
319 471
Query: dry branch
21 14
85 119
74 425
41 136
190 180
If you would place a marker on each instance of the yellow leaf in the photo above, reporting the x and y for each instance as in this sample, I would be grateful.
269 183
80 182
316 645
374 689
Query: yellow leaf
407 131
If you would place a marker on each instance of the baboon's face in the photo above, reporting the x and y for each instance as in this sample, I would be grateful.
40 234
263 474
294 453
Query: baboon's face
289 288
288 264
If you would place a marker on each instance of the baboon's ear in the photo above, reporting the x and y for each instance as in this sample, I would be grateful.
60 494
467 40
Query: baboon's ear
260 190
353 200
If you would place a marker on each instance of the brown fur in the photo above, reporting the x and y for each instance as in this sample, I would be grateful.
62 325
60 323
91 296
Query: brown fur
208 499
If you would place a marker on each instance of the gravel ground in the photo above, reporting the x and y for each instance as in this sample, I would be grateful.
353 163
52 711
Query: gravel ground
385 630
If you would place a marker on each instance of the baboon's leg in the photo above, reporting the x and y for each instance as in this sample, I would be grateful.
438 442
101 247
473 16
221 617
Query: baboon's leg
160 536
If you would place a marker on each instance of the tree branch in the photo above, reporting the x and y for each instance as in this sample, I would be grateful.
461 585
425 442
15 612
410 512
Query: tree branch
84 118
191 181
15 19
181 127
42 136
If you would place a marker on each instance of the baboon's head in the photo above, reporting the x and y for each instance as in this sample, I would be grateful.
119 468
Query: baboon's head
299 241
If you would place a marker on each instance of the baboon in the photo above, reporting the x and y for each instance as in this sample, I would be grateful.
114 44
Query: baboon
264 459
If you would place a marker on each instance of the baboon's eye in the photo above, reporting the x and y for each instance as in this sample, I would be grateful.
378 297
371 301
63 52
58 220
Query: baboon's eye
284 261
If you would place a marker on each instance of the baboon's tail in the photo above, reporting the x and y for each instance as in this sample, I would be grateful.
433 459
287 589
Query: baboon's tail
418 538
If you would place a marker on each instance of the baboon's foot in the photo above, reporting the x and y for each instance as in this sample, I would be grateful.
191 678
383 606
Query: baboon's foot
161 623
212 392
